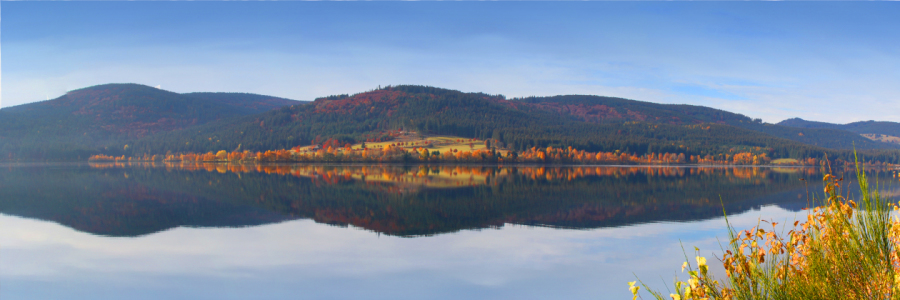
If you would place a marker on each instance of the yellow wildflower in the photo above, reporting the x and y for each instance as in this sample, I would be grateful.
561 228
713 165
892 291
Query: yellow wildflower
675 296
634 289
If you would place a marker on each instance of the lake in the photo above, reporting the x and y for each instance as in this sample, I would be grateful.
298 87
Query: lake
217 231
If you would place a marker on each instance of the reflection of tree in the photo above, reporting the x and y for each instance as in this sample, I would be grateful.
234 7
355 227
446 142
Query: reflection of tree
397 200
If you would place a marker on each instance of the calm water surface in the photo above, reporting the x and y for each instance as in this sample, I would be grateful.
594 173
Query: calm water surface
153 231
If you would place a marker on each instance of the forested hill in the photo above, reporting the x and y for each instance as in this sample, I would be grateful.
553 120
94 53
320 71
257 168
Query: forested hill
516 124
888 128
94 119
104 119
596 109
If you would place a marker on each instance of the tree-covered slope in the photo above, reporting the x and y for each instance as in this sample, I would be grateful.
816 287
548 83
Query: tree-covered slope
86 121
597 109
879 127
516 124
248 103
103 119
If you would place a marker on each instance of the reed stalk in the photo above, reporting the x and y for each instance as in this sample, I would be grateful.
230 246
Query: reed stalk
845 249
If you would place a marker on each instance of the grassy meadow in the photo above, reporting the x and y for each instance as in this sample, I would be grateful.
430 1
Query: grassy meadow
785 161
409 140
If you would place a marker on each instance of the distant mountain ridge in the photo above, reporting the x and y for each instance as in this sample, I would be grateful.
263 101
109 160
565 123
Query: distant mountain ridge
85 120
596 109
879 127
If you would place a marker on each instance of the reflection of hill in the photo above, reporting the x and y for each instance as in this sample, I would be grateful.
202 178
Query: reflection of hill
107 203
123 200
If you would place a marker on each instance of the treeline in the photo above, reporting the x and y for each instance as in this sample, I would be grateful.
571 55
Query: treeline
394 153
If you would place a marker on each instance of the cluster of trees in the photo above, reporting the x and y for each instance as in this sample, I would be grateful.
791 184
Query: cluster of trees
104 157
396 153
422 154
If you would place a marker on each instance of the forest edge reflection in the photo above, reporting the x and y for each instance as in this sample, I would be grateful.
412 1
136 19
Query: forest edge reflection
122 199
442 176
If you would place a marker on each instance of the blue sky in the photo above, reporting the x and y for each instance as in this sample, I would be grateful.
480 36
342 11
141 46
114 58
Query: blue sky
826 61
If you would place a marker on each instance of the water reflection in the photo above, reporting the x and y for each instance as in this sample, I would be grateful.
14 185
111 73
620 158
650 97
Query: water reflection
123 199
456 175
216 231
305 260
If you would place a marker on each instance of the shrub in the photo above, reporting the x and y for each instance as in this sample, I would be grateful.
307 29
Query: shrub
845 249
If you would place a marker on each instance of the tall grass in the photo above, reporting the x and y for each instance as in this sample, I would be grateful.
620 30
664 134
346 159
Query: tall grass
845 249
